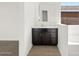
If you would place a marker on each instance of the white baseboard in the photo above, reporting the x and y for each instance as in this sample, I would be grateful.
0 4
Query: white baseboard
59 50
28 50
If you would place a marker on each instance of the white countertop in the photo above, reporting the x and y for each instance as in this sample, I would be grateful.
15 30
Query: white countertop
49 26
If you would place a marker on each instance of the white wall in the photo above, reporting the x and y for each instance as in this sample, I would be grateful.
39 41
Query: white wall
63 39
73 40
53 9
73 33
12 22
9 17
30 15
73 50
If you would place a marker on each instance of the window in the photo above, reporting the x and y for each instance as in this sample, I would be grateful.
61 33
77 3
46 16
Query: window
70 6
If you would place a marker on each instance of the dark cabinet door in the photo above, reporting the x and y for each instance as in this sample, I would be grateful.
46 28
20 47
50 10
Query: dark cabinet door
54 36
36 38
44 36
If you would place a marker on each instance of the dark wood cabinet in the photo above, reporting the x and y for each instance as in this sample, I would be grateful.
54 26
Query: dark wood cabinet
44 36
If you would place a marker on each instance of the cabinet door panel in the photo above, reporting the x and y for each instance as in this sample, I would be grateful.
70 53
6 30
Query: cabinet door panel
36 37
46 39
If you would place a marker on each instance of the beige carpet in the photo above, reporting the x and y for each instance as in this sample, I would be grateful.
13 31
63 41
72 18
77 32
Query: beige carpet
44 51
